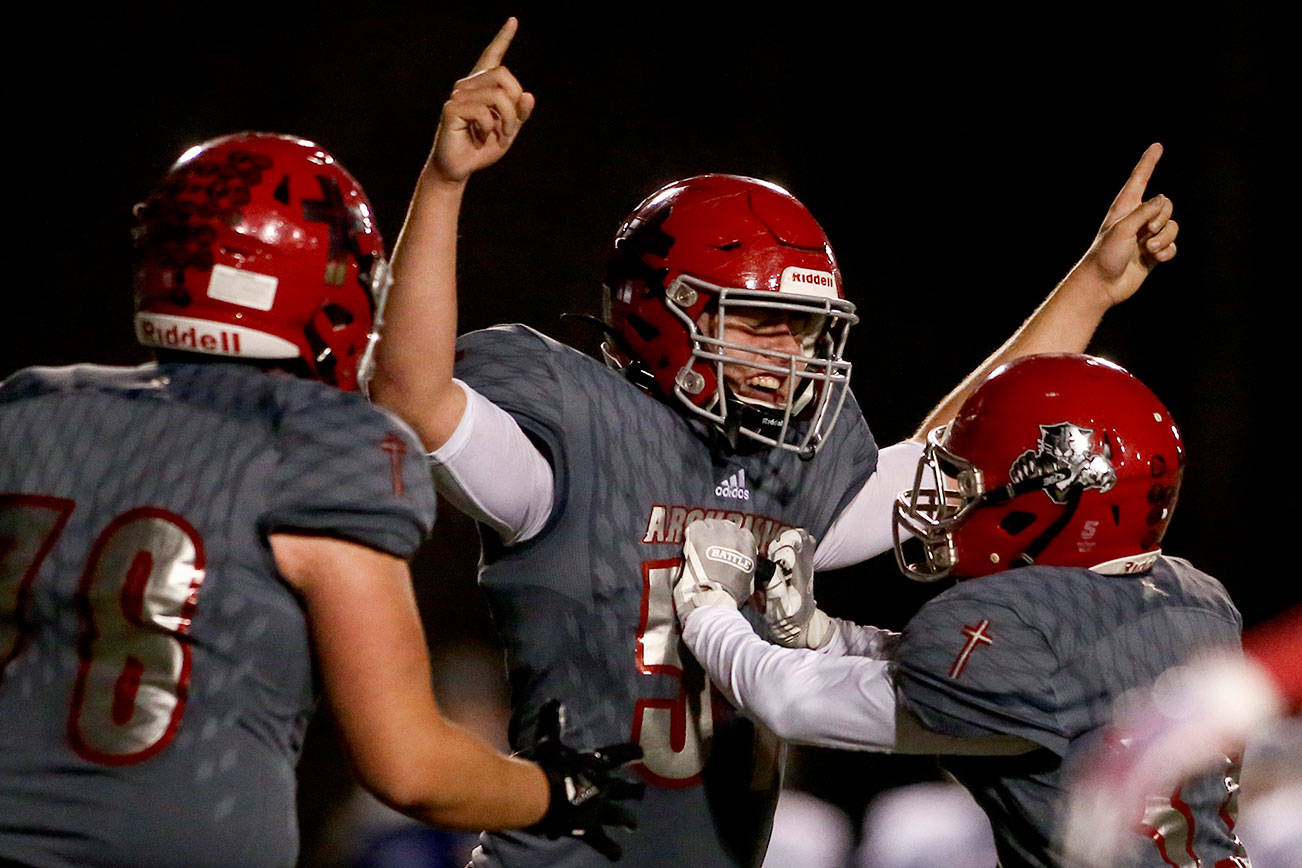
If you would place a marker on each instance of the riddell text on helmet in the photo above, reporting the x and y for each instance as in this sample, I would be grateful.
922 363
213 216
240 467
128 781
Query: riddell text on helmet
808 281
814 277
171 332
177 338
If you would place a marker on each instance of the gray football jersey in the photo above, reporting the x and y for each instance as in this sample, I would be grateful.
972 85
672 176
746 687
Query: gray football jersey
585 607
157 678
1042 653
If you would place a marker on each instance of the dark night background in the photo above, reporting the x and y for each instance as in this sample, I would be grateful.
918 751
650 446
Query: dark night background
959 162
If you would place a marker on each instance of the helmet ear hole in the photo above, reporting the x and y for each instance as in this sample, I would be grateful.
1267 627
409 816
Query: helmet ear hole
645 330
323 360
1016 521
338 315
282 190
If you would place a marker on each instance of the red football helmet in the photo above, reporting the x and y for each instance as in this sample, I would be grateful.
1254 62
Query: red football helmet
1061 460
711 242
261 246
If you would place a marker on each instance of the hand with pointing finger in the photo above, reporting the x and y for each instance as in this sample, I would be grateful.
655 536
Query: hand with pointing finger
1136 234
482 116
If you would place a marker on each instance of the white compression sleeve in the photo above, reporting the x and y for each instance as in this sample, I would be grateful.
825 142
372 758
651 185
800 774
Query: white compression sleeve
859 640
804 696
863 529
489 470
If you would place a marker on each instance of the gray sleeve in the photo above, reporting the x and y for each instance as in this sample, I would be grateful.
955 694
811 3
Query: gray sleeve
972 668
350 470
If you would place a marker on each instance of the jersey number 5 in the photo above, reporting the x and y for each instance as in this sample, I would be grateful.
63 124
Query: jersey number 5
134 602
674 733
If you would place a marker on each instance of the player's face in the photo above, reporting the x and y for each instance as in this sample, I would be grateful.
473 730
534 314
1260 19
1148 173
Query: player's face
760 333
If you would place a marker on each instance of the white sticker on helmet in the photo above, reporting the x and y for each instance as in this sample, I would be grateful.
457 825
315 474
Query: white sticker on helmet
245 288
205 336
807 281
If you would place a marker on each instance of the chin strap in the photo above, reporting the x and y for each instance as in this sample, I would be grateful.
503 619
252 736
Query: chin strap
632 369
1041 542
740 414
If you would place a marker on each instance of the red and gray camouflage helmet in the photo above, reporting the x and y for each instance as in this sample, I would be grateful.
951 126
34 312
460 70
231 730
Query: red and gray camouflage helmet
261 246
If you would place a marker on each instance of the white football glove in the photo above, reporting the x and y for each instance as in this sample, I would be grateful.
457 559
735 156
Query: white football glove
790 612
718 566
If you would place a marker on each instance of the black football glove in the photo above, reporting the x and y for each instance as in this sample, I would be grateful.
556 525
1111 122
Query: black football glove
585 794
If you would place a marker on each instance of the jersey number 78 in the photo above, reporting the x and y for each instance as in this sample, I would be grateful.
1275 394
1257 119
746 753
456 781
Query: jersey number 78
134 601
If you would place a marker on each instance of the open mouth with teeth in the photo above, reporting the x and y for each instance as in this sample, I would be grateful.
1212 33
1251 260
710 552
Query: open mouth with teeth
766 388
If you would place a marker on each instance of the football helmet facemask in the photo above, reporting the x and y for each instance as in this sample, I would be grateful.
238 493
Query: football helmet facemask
699 252
261 246
1060 460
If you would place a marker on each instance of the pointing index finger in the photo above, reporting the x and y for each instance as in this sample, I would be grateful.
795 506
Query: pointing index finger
496 50
1143 171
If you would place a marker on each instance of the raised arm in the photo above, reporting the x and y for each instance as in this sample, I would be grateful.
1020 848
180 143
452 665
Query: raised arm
1136 234
414 360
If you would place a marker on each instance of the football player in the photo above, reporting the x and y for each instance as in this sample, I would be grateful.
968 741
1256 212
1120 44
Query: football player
190 547
1184 725
1048 495
725 393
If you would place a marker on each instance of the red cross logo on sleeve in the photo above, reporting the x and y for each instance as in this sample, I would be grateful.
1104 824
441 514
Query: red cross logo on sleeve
978 635
396 447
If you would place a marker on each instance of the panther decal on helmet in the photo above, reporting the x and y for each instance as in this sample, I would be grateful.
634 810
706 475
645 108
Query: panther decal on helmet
1064 458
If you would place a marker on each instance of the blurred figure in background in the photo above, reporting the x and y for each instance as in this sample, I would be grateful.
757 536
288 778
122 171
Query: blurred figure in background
923 826
1166 735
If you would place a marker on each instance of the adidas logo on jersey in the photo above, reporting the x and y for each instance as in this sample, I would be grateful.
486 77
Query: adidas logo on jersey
734 487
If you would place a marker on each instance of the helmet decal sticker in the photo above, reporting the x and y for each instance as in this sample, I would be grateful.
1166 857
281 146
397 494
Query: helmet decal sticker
205 189
1063 459
635 244
243 287
808 281
342 223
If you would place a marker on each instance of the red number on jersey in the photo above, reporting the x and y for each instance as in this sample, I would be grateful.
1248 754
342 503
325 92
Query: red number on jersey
135 600
673 732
